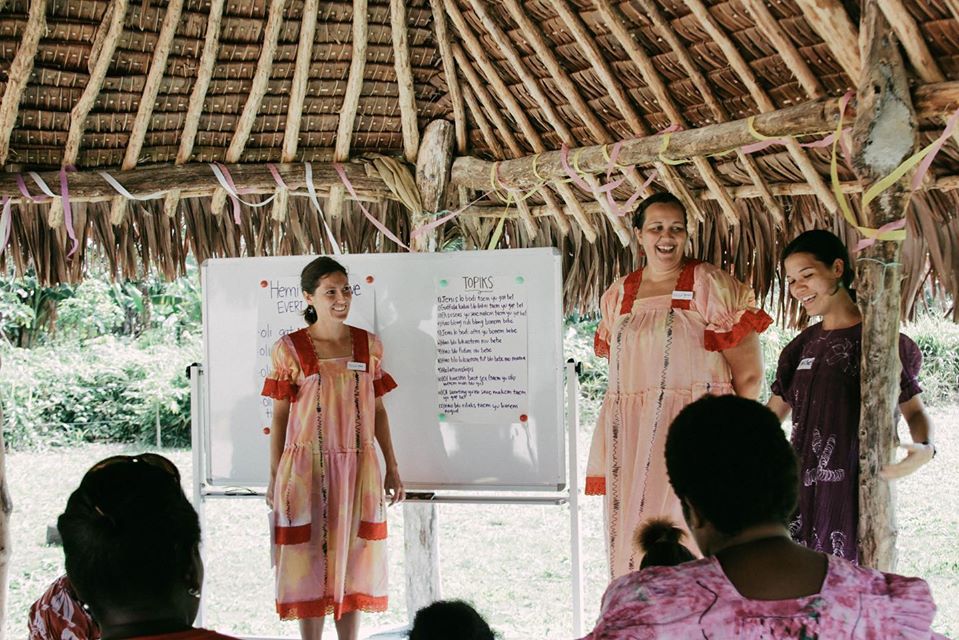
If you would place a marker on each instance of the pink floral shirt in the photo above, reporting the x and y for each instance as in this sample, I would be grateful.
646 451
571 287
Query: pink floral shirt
697 600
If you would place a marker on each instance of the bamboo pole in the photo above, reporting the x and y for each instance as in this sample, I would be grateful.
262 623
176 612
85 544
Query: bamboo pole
19 74
884 135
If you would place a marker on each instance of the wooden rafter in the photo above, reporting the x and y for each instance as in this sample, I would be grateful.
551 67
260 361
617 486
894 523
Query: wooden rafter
404 79
479 115
261 80
912 40
512 105
351 99
449 72
829 19
759 95
602 69
953 7
617 26
533 87
148 100
19 73
191 123
719 111
769 27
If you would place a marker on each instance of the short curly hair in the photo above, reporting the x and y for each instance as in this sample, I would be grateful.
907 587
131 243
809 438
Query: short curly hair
729 457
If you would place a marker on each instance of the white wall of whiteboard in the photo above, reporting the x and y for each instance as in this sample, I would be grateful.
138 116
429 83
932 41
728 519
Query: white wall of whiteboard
474 340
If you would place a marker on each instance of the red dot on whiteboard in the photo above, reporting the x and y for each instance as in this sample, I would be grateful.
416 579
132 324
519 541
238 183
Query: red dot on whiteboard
523 417
266 431
264 284
369 279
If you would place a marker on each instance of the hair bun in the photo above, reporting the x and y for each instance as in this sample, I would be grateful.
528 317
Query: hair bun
655 531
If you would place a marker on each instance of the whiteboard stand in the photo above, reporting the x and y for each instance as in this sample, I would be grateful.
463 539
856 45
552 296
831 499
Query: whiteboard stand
197 404
575 536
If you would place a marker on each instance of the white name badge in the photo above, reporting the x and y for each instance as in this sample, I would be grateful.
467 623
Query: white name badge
805 363
682 295
356 366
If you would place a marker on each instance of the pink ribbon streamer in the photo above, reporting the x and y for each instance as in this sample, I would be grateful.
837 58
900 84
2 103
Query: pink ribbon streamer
429 226
575 177
68 210
26 192
229 180
892 226
369 216
276 175
936 147
6 222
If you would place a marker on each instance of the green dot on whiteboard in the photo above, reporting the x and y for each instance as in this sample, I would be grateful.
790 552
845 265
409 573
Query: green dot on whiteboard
443 283
442 417
519 280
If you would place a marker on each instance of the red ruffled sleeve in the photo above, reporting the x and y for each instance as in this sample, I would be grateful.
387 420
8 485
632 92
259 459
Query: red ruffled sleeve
728 306
280 384
383 382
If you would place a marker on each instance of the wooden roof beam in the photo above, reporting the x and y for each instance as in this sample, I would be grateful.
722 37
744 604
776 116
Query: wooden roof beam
605 73
719 111
535 90
449 72
261 80
911 38
616 23
404 79
211 45
495 147
518 114
803 119
351 100
148 100
19 73
759 95
829 19
953 7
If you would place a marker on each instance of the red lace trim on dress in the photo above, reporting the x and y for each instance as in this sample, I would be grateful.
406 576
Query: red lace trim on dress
756 321
596 485
325 606
279 389
372 530
292 535
384 385
304 352
361 346
685 282
630 291
600 346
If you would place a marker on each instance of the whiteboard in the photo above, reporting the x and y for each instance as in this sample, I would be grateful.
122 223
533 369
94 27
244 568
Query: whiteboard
407 300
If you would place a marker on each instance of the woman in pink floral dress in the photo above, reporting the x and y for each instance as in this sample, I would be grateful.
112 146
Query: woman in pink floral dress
737 477
326 490
672 331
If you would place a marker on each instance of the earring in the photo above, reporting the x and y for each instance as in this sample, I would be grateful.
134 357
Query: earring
195 592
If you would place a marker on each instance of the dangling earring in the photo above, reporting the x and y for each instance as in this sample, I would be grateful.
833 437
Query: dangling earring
194 591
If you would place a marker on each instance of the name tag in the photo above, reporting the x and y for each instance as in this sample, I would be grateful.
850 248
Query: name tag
805 363
356 366
682 295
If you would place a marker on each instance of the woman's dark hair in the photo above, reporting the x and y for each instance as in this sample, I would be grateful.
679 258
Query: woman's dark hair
450 619
310 279
729 457
825 247
129 533
659 540
639 216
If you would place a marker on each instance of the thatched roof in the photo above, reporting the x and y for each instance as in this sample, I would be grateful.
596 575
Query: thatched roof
112 85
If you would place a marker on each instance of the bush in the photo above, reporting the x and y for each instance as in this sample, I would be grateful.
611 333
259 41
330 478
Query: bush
106 390
939 342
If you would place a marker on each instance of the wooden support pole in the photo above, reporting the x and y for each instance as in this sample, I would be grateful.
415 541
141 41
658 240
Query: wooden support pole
19 73
803 119
404 79
884 135
421 521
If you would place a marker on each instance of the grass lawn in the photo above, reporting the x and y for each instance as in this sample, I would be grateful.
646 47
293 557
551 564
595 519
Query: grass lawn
512 562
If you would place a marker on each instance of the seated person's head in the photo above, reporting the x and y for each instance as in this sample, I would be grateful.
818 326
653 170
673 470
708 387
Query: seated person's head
449 619
659 541
131 541
731 466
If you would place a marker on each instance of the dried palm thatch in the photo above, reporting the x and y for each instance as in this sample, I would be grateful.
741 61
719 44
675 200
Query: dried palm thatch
113 85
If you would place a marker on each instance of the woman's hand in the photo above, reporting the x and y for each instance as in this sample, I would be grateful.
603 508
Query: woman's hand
393 486
916 456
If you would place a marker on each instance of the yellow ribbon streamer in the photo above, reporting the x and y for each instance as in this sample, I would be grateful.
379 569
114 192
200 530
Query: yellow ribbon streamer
498 232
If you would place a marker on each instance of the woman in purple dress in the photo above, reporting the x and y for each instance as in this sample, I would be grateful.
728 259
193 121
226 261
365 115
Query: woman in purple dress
817 380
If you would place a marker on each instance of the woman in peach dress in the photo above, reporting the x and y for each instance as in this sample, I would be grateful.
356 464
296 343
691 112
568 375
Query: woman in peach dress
672 331
326 490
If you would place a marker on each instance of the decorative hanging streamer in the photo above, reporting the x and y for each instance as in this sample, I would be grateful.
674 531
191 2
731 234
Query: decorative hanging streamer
631 201
934 148
311 189
40 183
426 228
119 188
276 175
223 176
26 192
67 211
6 223
376 223
498 232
